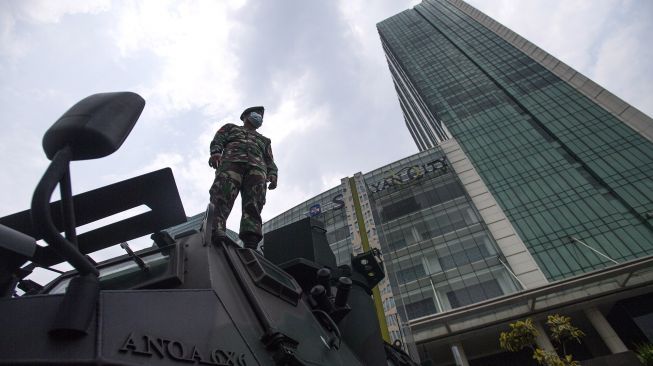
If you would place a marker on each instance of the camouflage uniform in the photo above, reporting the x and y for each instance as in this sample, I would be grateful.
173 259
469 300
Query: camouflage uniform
247 165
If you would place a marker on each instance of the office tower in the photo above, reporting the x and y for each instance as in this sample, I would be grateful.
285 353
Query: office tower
568 162
558 169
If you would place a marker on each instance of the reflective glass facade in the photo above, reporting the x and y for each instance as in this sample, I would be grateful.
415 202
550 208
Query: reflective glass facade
559 163
437 251
439 254
425 129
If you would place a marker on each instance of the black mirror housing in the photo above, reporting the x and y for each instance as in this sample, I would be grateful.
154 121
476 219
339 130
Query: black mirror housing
96 126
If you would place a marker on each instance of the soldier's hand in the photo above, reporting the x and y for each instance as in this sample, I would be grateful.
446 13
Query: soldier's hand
215 160
273 182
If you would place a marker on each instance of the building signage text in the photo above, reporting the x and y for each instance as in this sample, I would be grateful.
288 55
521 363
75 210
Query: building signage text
336 203
409 174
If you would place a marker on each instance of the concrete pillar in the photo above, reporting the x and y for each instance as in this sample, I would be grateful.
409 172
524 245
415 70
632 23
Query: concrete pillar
542 339
605 330
459 354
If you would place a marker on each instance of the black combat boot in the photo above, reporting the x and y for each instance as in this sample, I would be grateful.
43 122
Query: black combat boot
251 245
217 237
250 241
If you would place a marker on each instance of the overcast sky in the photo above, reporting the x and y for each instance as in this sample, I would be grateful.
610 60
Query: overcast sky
317 67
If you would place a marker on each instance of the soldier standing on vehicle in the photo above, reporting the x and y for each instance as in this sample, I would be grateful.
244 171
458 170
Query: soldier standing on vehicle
244 163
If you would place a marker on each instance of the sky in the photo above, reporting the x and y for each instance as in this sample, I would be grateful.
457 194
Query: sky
317 67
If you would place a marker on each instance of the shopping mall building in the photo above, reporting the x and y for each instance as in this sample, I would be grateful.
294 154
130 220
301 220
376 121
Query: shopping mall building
531 195
458 271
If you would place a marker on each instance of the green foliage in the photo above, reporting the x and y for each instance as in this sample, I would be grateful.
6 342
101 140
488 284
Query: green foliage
562 330
552 359
522 334
645 353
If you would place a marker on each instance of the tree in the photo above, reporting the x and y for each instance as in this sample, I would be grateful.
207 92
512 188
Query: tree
645 353
523 333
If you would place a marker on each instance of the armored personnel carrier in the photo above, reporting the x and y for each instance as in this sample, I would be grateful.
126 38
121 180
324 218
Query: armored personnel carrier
184 300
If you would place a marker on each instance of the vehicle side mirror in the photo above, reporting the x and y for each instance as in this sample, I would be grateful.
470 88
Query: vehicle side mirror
96 126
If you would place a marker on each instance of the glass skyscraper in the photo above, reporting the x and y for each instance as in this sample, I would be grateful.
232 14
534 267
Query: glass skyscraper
569 163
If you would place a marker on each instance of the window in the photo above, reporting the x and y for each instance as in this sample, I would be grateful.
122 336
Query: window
410 274
396 240
398 209
465 252
421 200
475 293
337 234
422 230
420 308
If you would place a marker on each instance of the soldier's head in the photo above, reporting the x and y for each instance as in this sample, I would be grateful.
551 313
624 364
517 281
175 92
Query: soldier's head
253 116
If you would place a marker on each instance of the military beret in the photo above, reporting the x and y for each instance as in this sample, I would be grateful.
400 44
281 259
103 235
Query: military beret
259 109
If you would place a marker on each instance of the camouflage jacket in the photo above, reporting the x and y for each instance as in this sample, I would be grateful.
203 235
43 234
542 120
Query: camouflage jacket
240 145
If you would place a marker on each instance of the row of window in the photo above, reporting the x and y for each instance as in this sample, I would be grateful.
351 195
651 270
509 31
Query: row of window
432 224
452 254
434 196
456 298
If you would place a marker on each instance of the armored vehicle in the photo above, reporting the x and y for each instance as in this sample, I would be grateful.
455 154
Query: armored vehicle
184 300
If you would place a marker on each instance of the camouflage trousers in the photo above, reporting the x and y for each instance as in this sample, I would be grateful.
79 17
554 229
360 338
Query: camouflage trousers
231 178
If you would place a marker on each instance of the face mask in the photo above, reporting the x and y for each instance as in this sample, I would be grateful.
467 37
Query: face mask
255 119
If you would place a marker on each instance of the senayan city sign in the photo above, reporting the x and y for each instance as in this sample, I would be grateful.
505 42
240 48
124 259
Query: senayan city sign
409 174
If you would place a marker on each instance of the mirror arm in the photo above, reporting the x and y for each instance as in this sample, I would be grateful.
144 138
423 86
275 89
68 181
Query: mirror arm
67 208
58 171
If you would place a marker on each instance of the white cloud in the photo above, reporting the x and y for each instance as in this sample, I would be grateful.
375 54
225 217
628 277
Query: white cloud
13 45
332 179
196 65
47 11
360 18
622 54
192 175
295 112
